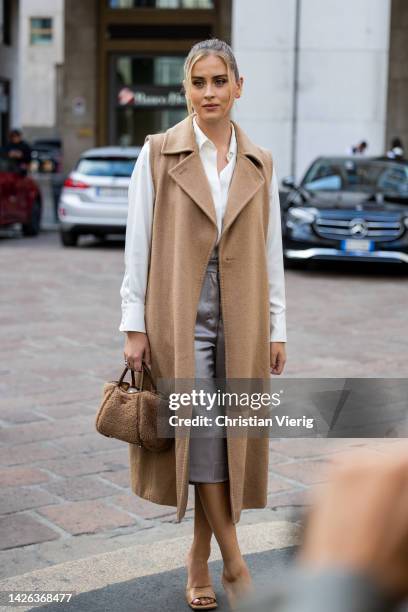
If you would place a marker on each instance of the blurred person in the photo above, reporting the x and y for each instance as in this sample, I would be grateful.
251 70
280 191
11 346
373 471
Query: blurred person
358 149
354 556
216 219
18 149
396 150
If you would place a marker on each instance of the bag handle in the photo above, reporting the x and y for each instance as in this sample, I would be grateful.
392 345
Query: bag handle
145 368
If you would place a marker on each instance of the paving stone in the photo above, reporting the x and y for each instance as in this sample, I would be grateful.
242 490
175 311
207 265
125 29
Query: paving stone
300 447
89 443
47 399
45 430
86 516
22 529
276 484
306 472
120 478
294 497
143 508
15 499
81 488
83 464
63 410
12 476
20 416
28 453
277 457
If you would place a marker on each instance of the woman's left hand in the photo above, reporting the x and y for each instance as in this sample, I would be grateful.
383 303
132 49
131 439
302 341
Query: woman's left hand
278 357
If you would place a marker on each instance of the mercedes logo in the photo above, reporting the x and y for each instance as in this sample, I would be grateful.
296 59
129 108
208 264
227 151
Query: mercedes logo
358 227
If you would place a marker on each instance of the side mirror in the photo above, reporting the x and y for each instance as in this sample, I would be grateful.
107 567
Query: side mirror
289 182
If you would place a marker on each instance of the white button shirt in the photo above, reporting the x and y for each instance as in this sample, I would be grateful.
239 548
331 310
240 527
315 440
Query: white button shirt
139 226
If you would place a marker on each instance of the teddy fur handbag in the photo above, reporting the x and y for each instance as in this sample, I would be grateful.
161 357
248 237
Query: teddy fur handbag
130 413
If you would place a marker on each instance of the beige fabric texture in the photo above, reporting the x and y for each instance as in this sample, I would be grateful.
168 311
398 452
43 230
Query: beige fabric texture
184 234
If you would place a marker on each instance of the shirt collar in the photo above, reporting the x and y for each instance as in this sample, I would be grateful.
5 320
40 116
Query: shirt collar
202 138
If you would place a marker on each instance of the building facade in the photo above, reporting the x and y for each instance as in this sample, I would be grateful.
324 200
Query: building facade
9 76
124 66
317 78
41 57
31 57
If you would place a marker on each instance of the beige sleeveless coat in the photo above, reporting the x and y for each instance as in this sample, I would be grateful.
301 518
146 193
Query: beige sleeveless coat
183 237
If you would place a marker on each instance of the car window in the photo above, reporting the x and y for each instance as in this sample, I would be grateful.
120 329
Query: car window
106 166
394 180
357 175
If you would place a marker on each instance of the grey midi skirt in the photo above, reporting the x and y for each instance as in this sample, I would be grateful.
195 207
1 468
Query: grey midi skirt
208 447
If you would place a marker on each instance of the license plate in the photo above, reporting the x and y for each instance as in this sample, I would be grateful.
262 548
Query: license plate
111 192
357 245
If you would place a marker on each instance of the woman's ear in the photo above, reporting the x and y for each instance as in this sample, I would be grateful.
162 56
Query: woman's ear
240 84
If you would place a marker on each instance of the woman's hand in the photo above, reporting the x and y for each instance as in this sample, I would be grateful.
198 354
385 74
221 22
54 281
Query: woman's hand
137 347
278 357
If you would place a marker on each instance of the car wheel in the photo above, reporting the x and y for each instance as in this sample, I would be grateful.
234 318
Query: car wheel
68 238
32 228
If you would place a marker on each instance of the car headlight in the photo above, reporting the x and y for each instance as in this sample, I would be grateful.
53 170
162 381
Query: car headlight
300 216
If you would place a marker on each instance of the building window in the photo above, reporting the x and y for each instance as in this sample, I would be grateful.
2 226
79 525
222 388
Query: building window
40 30
161 4
145 96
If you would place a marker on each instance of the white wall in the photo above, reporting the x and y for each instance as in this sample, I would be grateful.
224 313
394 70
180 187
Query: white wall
262 40
342 86
37 64
343 76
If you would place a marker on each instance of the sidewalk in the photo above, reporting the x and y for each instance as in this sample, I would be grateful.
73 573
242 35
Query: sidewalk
151 577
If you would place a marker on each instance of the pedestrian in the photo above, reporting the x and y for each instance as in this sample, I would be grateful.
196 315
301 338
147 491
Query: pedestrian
18 149
358 149
396 150
203 296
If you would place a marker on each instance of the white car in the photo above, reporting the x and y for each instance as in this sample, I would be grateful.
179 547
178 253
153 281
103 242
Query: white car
94 197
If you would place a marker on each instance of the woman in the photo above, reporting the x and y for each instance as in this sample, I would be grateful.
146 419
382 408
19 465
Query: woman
203 296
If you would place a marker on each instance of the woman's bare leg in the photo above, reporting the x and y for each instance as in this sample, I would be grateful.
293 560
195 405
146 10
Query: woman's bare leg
216 504
197 558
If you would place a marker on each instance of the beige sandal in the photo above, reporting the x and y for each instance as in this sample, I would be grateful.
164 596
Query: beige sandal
193 593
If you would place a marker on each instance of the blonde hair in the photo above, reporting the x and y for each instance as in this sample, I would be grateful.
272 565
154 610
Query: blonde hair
211 46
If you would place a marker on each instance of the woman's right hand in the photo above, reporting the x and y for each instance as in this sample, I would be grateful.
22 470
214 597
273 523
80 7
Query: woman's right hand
137 347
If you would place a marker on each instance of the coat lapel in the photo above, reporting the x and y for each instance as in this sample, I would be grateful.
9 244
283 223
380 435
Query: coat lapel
190 175
245 182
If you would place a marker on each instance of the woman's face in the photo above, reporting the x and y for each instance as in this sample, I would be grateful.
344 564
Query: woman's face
211 88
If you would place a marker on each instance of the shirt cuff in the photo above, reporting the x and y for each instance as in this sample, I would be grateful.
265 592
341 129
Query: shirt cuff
278 327
133 318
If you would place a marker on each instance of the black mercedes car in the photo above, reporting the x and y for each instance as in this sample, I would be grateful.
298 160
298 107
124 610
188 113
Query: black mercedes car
347 208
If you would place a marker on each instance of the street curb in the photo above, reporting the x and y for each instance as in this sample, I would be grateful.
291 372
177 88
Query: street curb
101 570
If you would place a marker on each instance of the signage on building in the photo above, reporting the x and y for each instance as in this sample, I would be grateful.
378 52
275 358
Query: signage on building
79 106
142 98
